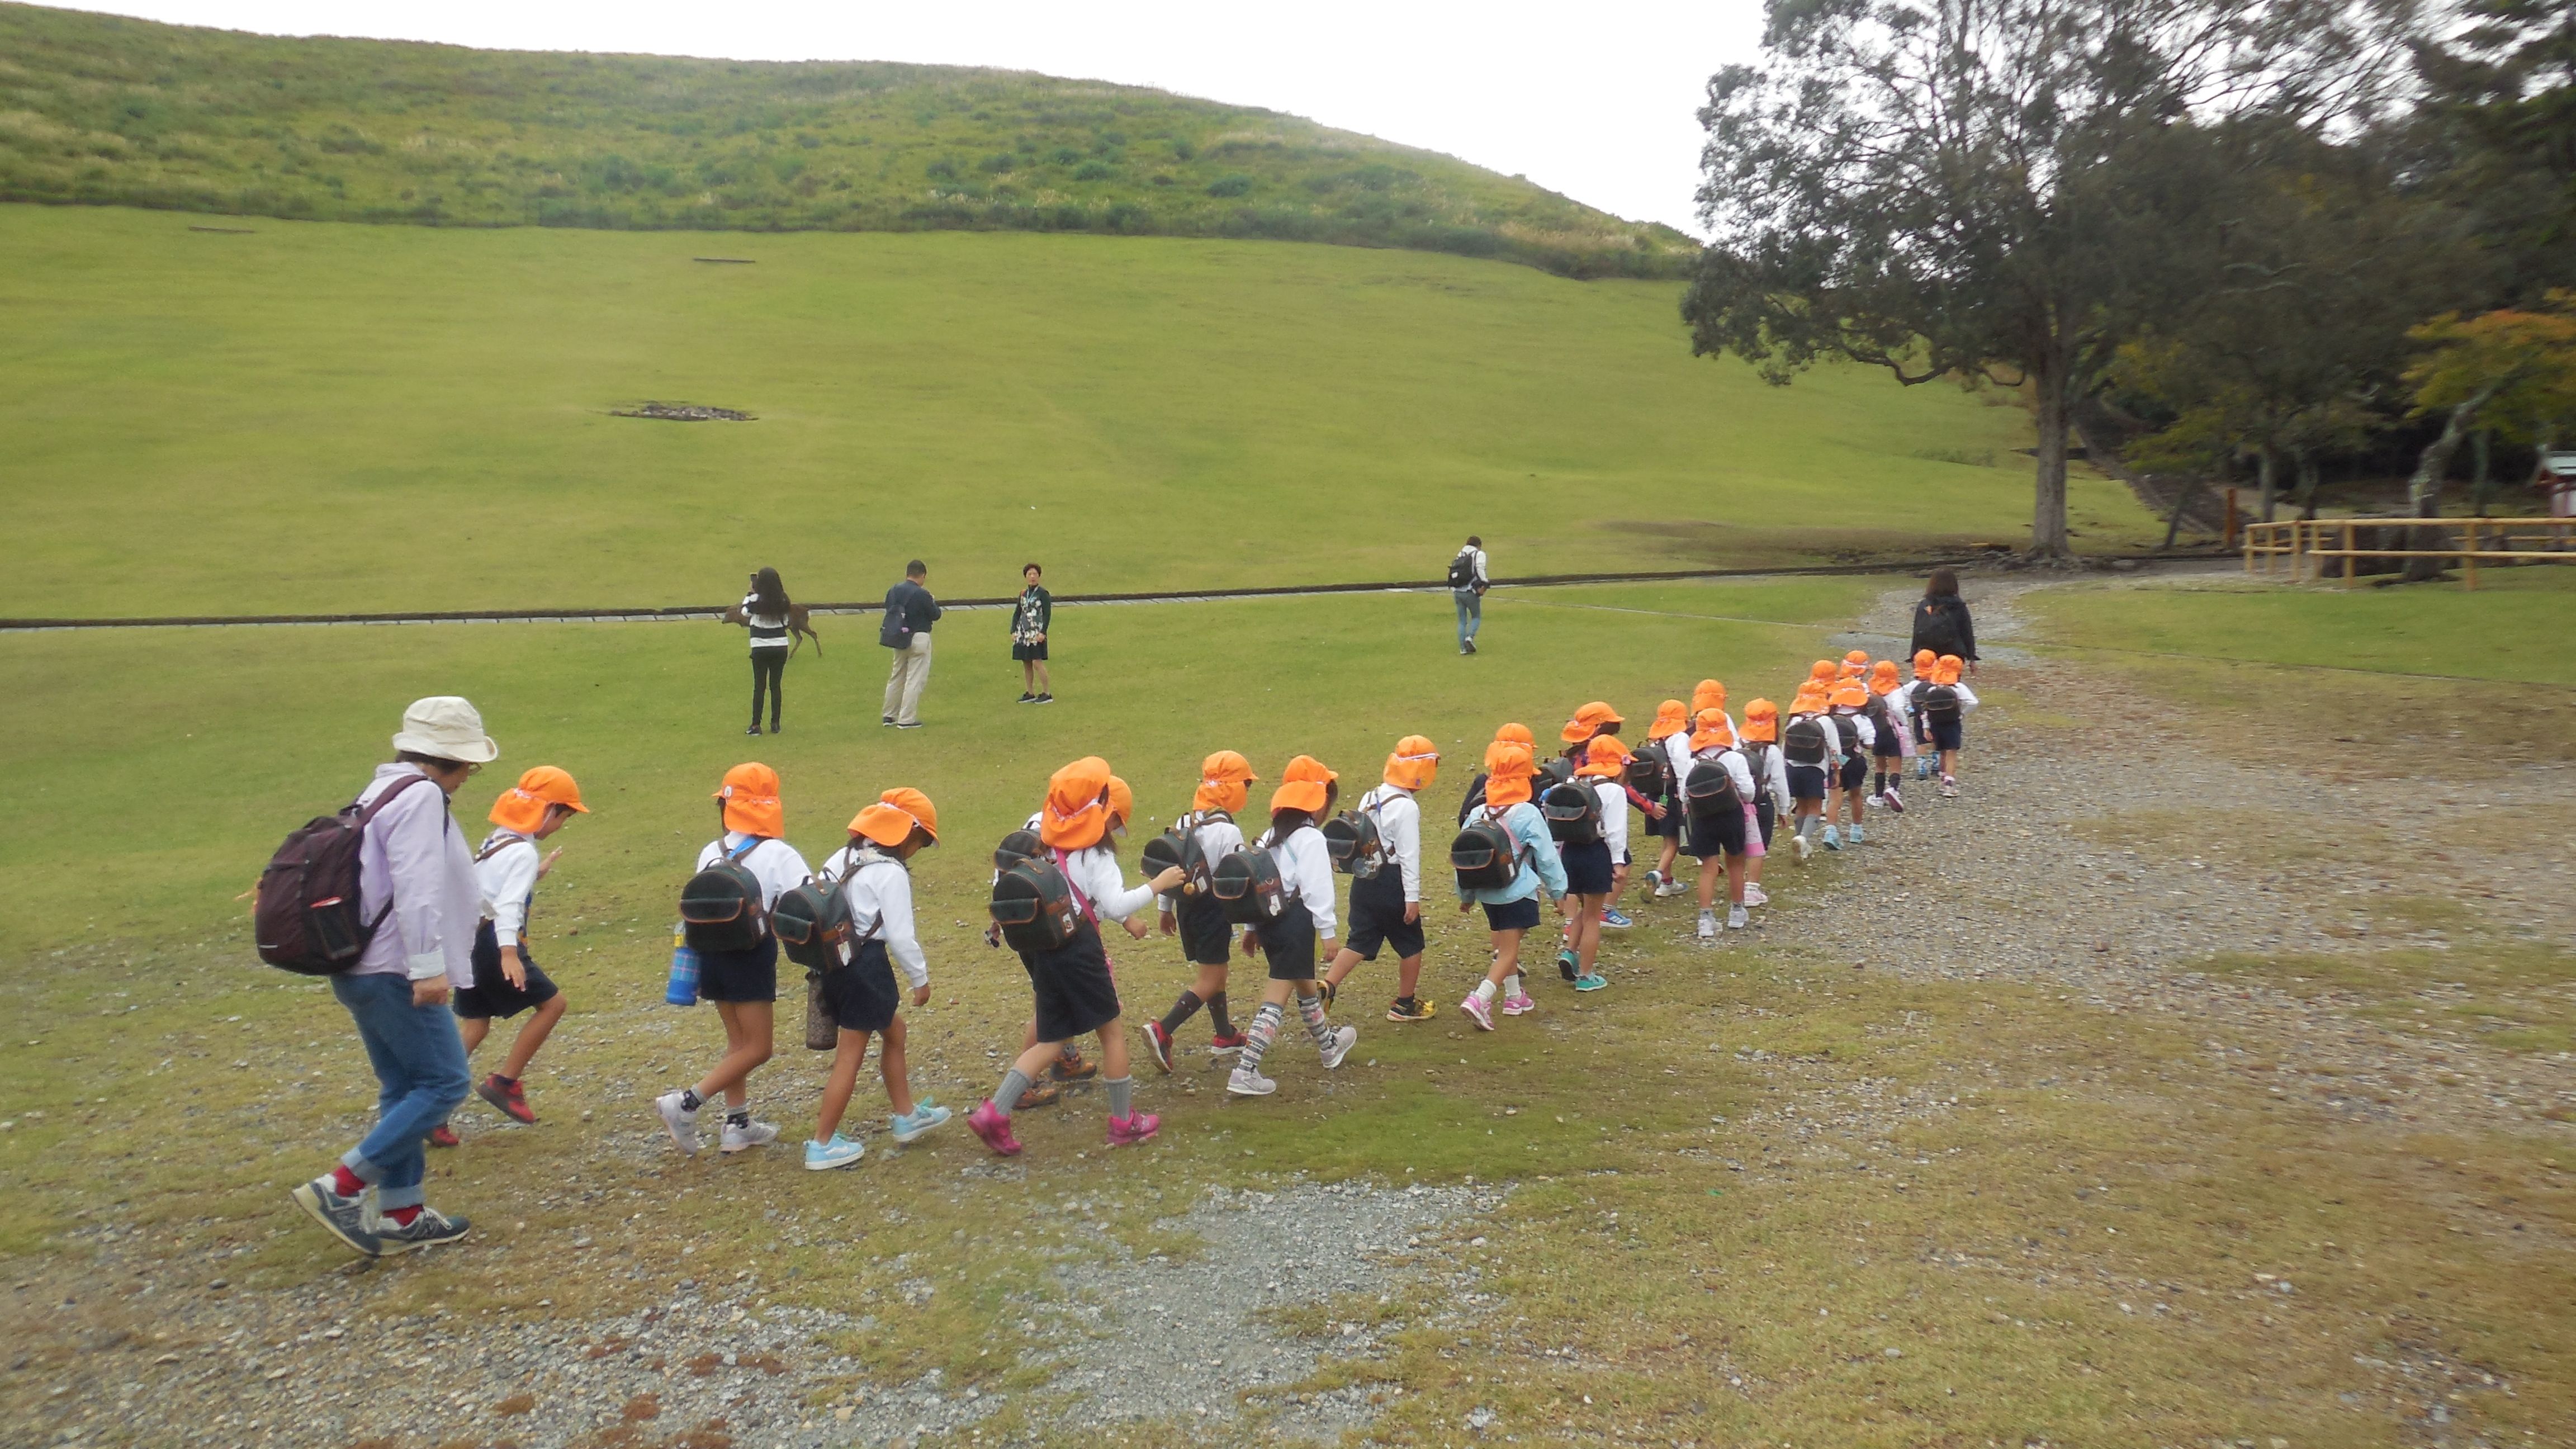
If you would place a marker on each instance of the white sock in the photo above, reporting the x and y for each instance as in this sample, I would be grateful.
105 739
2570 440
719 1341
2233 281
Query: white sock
1485 989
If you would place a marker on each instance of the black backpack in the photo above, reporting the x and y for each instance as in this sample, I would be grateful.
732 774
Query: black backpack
1650 772
1462 570
813 922
305 915
1486 855
1940 703
1247 887
1352 840
1573 811
1034 904
1187 851
1802 741
720 907
1475 800
1883 720
1710 791
1935 628
1018 846
1847 730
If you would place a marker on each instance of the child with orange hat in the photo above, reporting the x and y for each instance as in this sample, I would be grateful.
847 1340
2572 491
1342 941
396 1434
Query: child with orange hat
1386 908
507 980
1761 749
1075 995
742 984
1511 911
1592 868
1811 749
1895 738
1593 721
1858 739
1291 941
876 879
1719 817
1946 703
1664 820
1207 942
1925 665
1509 734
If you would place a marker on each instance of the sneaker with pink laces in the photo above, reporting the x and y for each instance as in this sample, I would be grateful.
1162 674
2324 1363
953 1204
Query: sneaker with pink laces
1128 1131
1520 1005
1754 896
1476 1006
993 1128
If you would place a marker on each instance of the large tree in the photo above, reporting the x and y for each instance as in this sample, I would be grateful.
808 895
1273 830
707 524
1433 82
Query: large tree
1998 189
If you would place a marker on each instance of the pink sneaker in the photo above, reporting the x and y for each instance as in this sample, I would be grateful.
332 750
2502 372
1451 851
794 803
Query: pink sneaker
1754 896
1520 1005
994 1128
1129 1131
1477 1007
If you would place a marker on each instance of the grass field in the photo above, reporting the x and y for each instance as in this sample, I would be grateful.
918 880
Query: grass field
316 418
104 109
2044 1228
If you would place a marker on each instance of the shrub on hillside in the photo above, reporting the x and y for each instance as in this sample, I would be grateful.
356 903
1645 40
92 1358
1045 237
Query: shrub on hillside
1237 184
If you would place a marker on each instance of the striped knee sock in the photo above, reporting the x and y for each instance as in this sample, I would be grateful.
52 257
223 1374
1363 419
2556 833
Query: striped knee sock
1312 1008
1265 1030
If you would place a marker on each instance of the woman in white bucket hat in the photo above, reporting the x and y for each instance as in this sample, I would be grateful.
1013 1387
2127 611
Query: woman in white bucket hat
416 885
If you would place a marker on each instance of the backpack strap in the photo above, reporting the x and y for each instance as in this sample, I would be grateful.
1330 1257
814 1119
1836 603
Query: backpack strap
1080 901
510 838
366 817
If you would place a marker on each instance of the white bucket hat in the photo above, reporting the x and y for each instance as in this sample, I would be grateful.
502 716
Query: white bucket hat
446 727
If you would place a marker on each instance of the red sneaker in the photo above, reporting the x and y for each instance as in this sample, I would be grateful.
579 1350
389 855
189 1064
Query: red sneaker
993 1128
443 1135
1160 1041
1228 1044
1128 1131
510 1101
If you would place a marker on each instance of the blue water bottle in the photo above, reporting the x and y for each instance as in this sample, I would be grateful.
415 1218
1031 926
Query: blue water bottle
683 990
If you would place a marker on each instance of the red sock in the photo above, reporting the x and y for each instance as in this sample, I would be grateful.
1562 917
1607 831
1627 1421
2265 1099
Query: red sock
403 1216
346 1183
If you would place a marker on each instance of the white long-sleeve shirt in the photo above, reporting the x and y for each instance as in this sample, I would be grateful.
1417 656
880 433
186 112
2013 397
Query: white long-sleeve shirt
414 859
1614 815
774 863
506 875
1399 833
1306 874
1771 775
879 891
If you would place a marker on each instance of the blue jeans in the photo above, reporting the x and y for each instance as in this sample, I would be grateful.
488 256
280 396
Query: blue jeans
420 1067
1471 614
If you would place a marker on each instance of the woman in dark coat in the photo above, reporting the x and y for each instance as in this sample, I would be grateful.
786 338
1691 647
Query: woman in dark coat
1941 622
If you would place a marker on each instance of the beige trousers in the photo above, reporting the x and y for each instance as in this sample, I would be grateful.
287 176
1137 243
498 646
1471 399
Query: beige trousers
903 685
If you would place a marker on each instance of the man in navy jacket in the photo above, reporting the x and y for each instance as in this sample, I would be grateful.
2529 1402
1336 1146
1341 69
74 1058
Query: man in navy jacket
909 613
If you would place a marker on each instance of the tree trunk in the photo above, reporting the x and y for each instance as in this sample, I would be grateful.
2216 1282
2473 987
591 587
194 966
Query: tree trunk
2048 509
2481 476
2182 500
2266 476
2310 476
2424 489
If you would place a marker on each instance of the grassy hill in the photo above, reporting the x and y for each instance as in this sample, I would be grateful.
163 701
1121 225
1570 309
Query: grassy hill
314 417
98 109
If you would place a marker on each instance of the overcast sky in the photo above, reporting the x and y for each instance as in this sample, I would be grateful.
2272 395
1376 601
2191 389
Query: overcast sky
1596 102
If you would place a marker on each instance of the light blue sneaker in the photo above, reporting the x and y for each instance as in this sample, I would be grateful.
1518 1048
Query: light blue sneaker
1833 837
1591 982
1616 919
926 1114
839 1152
1857 838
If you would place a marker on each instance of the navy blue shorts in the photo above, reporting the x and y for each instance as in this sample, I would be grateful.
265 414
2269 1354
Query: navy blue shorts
1806 782
1207 937
1075 995
1288 943
492 995
740 975
1946 736
1588 868
1714 835
863 995
1519 915
1855 771
1377 917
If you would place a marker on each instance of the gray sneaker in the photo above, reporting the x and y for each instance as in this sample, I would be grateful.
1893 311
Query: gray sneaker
1343 1039
428 1228
345 1218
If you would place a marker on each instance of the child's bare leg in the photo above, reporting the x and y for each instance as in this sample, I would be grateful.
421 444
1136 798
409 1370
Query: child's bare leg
896 1069
1345 961
1708 886
1113 1049
1587 933
1507 957
1408 976
1671 856
748 1037
1735 880
849 1053
530 1037
474 1028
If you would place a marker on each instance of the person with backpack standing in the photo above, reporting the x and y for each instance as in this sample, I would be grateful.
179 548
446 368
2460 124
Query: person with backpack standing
1664 823
1810 748
910 612
1075 994
1207 939
1761 749
1717 791
1857 739
1030 619
1511 903
1941 622
1946 703
740 973
874 872
507 980
417 895
1386 908
1895 738
1926 663
1293 940
1592 866
1467 585
765 612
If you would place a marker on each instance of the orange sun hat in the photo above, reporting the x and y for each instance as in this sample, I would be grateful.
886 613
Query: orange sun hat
1882 677
1671 718
1122 804
1855 663
1604 756
1810 699
1762 722
1518 734
1707 694
1588 721
1509 767
1302 786
1850 694
1222 777
522 807
1823 671
1924 660
1413 766
1947 671
751 804
890 821
1077 805
1713 730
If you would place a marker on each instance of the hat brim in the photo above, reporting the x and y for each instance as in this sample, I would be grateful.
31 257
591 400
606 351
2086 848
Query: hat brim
468 752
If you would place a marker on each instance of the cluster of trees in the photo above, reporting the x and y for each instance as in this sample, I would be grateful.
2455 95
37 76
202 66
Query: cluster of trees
2216 234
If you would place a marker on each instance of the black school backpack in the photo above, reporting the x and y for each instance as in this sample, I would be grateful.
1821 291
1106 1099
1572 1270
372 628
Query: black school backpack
1650 772
1352 840
1486 855
1573 811
1710 791
1883 720
1462 570
1034 904
305 915
1939 703
1247 887
1802 741
813 922
1935 627
720 907
1847 730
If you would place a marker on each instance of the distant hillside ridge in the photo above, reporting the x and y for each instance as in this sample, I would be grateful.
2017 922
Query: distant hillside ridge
101 109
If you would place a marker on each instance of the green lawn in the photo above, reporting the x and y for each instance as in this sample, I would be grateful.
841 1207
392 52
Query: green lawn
321 417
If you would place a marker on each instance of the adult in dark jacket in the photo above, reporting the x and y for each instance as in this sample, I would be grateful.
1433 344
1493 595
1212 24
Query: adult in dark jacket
909 613
1030 620
1941 622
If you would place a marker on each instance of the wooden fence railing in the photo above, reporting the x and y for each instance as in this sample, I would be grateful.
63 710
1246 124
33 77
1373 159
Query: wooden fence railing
2309 548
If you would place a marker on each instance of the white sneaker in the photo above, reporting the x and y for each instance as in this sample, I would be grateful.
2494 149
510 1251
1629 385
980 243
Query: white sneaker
1669 889
1708 925
681 1123
1949 788
1754 895
1246 1082
743 1139
1343 1038
1735 918
1800 847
